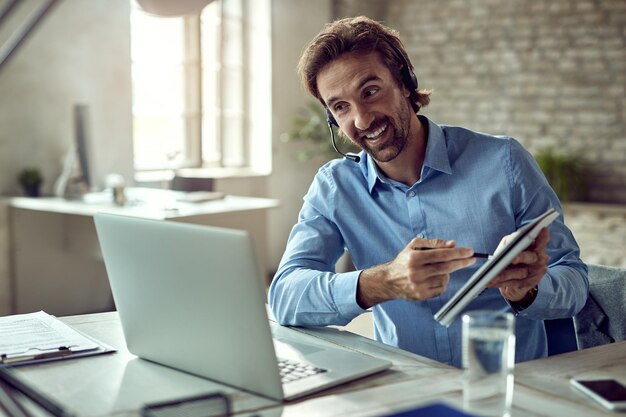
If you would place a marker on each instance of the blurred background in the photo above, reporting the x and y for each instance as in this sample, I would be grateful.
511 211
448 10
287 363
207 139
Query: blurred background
212 101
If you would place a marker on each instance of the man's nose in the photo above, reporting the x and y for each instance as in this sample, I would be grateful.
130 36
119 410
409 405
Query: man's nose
363 117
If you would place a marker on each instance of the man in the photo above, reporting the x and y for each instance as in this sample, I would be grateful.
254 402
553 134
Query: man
413 209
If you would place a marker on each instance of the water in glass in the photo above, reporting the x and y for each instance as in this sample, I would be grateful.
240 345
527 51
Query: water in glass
488 360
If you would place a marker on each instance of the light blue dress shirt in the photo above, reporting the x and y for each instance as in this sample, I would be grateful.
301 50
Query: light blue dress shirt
474 188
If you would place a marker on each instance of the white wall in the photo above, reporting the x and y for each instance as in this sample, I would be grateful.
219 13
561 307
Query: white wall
79 53
5 283
295 23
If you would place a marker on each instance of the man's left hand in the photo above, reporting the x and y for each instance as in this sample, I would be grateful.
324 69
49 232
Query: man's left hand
526 269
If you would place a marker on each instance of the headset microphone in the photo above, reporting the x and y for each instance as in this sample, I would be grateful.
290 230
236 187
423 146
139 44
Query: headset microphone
331 121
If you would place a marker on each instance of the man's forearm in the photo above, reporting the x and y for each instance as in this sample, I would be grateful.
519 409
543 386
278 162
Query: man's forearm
420 271
371 287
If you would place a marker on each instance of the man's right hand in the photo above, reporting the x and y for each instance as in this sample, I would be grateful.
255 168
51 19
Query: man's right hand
420 271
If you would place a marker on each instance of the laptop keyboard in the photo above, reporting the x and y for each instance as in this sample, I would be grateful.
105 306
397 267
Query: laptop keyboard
292 371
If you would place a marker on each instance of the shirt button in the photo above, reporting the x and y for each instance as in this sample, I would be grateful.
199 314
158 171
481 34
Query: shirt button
411 193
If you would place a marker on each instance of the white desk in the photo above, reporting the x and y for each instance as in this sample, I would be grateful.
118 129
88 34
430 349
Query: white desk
144 202
118 384
56 264
551 377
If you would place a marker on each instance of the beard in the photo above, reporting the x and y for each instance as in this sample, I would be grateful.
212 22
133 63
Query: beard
398 129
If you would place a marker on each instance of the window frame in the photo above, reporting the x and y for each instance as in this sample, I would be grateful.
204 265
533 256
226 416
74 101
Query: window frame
248 157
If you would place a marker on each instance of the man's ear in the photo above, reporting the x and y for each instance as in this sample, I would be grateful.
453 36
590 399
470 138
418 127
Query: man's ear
406 91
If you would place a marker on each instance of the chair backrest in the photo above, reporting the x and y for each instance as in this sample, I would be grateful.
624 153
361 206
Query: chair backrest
561 336
603 318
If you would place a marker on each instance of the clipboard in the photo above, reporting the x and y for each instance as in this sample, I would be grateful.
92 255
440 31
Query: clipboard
215 404
520 240
40 337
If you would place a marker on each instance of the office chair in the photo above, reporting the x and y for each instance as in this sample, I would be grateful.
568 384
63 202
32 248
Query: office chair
561 336
603 318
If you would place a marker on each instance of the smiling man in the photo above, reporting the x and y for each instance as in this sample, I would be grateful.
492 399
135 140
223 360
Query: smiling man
412 209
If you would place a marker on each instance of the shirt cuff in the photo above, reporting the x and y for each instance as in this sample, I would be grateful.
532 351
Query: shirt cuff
345 294
526 301
541 299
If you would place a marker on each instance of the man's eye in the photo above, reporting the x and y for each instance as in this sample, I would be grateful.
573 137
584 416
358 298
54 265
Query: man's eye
370 92
339 107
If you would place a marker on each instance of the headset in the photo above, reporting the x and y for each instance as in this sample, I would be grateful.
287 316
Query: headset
410 82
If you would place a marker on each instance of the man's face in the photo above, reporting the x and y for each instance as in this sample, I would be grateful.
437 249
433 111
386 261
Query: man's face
369 106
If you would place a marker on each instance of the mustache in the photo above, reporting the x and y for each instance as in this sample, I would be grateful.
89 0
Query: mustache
375 125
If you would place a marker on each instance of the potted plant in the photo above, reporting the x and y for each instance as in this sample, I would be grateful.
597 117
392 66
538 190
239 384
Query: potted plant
311 126
30 179
565 171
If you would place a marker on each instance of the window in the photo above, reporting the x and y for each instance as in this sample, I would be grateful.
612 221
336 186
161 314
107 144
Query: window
202 87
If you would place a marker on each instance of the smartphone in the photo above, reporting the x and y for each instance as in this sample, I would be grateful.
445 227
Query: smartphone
608 392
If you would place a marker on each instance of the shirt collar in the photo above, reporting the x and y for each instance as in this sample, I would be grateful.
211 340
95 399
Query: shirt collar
436 155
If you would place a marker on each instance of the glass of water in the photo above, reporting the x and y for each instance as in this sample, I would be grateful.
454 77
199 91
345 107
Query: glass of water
488 361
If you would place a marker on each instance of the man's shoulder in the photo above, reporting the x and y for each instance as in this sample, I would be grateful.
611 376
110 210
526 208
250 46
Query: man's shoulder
338 176
461 140
453 132
340 168
334 182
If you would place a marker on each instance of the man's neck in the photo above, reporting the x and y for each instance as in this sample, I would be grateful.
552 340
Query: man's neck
407 166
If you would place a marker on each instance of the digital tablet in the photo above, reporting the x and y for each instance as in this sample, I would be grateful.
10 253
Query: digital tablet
520 240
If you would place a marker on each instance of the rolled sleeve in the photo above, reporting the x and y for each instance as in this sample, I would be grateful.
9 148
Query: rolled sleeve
306 297
562 293
306 290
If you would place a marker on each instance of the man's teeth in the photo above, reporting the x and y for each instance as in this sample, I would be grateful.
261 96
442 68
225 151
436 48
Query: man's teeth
375 134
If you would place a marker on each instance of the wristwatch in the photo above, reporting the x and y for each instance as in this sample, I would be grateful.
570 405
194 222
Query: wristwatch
526 301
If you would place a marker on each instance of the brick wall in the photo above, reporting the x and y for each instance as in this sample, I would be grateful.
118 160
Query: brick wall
551 73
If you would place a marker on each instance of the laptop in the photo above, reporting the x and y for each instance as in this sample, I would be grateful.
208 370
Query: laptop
191 297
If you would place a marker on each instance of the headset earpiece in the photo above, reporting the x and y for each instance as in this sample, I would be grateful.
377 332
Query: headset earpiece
408 76
330 118
411 80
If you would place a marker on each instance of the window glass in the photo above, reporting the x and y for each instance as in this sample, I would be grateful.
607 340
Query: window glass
157 51
194 92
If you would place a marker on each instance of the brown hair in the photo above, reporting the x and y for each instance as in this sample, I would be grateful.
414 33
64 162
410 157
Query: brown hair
359 35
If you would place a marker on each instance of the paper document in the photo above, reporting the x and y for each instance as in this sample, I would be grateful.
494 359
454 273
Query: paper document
519 241
36 337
